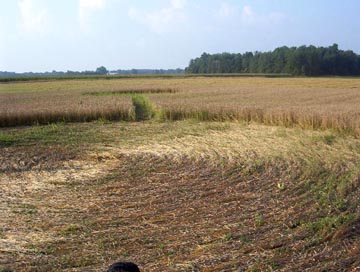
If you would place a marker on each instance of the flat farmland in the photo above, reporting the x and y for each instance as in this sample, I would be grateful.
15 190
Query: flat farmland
304 102
232 174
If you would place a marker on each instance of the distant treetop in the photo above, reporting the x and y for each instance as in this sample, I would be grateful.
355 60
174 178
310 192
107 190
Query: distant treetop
101 70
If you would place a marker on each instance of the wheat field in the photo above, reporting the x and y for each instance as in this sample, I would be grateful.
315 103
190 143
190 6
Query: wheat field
305 102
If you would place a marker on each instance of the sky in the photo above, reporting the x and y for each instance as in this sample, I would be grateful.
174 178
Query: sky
78 35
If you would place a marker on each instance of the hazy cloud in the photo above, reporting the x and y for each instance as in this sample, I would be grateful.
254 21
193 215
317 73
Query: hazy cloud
178 4
33 18
226 10
164 20
276 17
87 7
1 37
248 15
141 43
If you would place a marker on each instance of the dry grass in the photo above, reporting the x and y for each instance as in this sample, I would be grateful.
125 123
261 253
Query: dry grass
304 102
179 196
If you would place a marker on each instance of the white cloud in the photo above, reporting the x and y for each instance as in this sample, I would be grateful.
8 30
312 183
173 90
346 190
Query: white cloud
178 4
87 7
248 15
163 20
226 10
133 13
33 18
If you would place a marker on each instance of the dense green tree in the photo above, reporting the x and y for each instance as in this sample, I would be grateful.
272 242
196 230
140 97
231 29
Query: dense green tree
101 70
303 60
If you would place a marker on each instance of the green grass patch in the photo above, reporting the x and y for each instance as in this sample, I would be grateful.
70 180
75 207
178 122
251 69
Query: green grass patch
327 225
5 269
8 139
71 229
43 134
328 138
143 108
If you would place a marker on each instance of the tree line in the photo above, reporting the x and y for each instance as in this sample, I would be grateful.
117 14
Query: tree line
299 61
98 72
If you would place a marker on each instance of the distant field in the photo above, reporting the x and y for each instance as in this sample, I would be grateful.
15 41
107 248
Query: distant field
123 76
304 102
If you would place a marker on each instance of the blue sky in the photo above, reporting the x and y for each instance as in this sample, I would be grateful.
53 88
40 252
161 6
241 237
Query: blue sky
46 35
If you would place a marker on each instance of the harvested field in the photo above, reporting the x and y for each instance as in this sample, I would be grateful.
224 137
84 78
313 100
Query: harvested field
179 196
304 102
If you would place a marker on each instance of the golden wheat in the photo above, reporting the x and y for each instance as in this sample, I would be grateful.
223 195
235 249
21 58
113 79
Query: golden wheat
304 102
